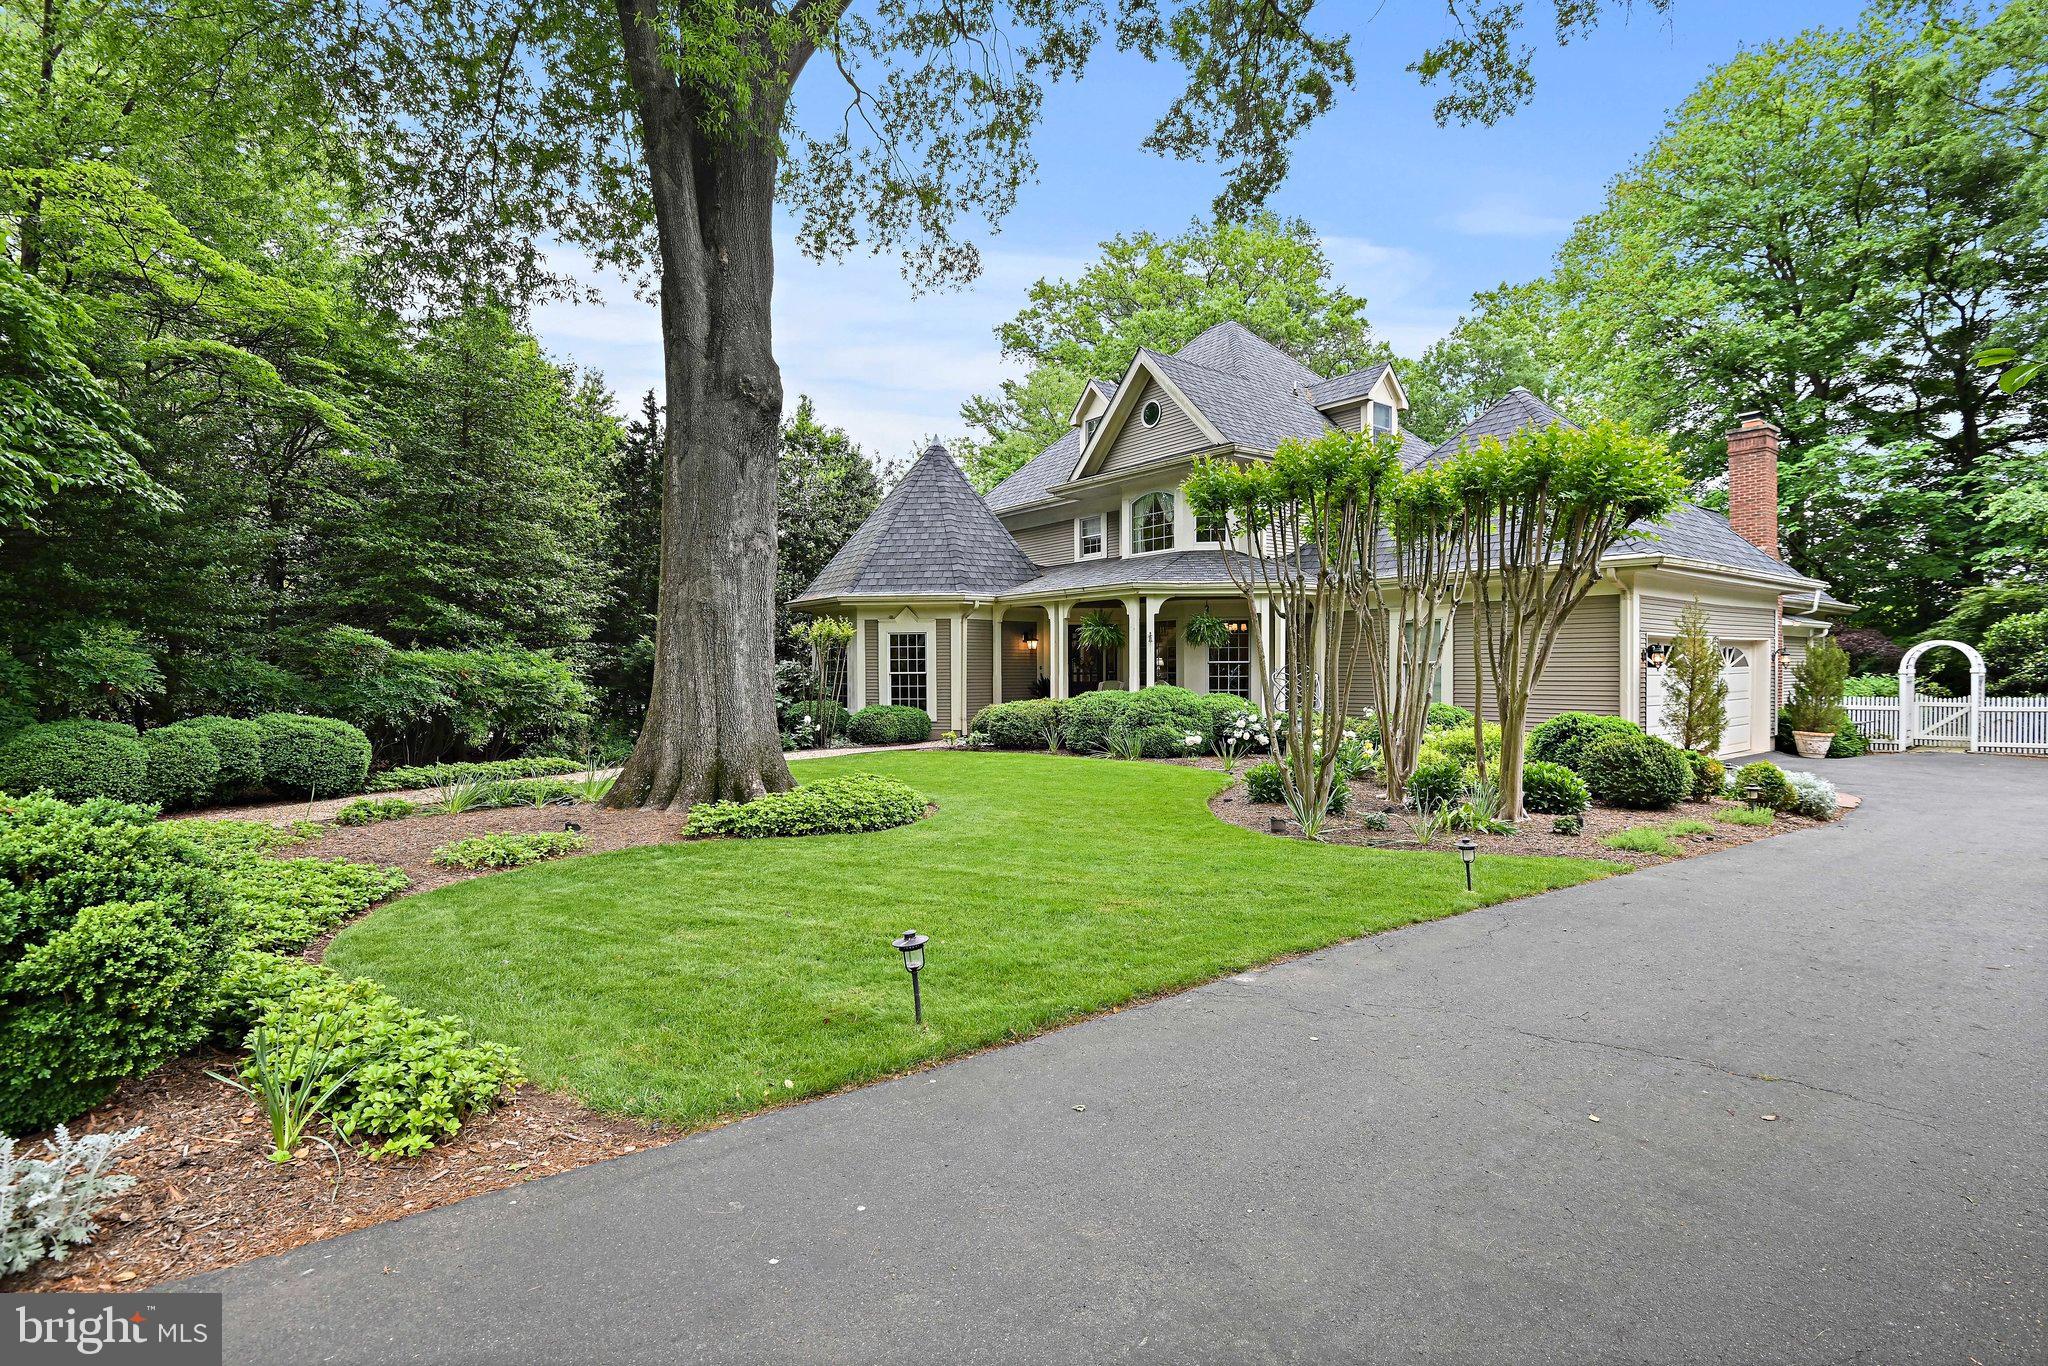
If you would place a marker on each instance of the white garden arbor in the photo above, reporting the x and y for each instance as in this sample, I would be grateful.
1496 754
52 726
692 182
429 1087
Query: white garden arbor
1940 720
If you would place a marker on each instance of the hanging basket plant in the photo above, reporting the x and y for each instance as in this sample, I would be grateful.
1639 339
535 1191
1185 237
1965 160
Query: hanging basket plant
1207 629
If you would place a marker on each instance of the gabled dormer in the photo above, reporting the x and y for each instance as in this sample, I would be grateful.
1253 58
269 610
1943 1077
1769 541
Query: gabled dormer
1090 407
1371 399
1147 418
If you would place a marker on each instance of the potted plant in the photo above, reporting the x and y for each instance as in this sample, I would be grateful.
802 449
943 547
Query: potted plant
1102 634
1815 712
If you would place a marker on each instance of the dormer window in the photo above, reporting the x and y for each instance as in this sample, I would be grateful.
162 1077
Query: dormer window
1091 424
1149 414
1088 530
1152 523
1383 419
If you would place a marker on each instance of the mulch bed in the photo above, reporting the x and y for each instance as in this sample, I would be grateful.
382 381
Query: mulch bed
1533 838
207 1196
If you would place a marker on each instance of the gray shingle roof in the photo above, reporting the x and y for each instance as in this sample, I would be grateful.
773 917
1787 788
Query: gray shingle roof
1691 532
1237 350
1248 411
1506 415
1029 482
931 535
1328 393
1195 568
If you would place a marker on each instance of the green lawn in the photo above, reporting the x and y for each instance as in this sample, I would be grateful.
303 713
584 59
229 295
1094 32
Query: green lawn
690 982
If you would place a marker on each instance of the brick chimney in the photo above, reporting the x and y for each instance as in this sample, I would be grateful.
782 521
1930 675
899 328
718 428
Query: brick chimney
1753 482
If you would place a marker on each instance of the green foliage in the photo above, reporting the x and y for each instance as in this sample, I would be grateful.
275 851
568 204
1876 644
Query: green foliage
1695 692
887 725
1177 708
285 904
407 779
1776 792
1088 719
829 717
183 767
825 488
2016 654
1163 740
508 850
1018 725
1444 716
1457 744
843 804
371 810
1690 825
98 670
312 754
1644 839
1552 789
1849 742
1709 775
1639 771
1816 703
1568 825
113 937
239 746
1564 737
1742 815
292 1086
75 760
1264 785
1438 782
411 1078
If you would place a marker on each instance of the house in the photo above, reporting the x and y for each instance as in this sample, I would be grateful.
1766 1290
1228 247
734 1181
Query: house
961 600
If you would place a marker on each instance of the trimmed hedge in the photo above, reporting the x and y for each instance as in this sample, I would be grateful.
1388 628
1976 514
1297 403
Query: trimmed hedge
884 725
1635 770
1167 741
1018 725
1709 775
820 713
239 744
843 805
1563 738
184 767
1553 790
1090 716
313 754
1777 793
76 761
1165 705
113 940
438 775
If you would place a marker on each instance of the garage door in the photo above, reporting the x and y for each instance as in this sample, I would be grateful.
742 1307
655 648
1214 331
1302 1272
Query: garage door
1737 671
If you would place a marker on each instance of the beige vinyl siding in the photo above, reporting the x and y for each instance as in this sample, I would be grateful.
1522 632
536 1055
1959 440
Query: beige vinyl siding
942 675
1137 444
1020 666
1725 622
1359 701
872 651
1351 417
1582 674
1047 545
1112 528
979 644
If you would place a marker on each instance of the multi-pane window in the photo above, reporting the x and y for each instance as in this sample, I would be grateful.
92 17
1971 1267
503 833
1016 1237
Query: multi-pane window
1211 529
1230 664
1152 523
908 684
1383 418
1091 536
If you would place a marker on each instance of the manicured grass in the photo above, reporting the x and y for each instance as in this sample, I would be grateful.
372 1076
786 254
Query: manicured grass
690 982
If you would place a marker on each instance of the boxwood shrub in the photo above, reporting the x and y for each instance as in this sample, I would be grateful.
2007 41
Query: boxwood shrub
1709 775
239 744
1564 737
313 754
1777 793
1553 790
410 778
1018 725
885 725
1165 705
184 767
1219 709
1164 740
75 760
1635 770
1090 716
114 933
842 805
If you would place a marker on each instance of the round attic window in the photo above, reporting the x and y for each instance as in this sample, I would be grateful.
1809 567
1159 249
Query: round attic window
1149 414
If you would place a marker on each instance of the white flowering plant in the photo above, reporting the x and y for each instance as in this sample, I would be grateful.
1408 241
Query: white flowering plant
1237 736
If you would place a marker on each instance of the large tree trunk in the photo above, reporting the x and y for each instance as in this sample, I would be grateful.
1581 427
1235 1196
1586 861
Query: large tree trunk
711 729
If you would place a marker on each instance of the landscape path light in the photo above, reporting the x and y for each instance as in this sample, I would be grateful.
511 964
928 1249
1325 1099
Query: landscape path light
911 946
1468 850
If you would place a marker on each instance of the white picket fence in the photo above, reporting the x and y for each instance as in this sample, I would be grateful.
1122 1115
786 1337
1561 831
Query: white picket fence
2005 725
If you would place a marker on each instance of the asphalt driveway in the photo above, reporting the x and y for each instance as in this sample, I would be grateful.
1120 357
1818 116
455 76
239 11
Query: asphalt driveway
1382 1152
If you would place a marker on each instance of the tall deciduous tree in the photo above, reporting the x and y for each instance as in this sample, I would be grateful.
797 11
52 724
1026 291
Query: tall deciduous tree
1543 508
1407 591
1270 273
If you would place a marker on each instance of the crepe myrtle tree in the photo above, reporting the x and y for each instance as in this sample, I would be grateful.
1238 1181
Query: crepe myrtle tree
1305 523
1542 509
1410 591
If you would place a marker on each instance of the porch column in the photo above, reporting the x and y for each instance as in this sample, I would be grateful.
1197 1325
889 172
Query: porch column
1134 643
1055 650
1152 640
1261 650
995 680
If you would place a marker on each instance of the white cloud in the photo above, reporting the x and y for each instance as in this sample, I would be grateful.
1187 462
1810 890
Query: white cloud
890 368
1507 215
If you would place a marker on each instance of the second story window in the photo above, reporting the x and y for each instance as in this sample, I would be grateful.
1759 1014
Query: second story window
1152 523
1383 418
1090 532
1091 424
1211 530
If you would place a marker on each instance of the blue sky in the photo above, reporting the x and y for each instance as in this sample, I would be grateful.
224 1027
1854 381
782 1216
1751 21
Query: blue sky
1415 217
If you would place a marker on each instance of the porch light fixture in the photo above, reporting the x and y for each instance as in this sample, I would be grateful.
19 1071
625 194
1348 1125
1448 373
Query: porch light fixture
1030 637
1468 850
911 946
1656 652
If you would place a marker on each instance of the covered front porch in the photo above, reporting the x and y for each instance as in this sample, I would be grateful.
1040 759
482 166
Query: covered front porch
1042 648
